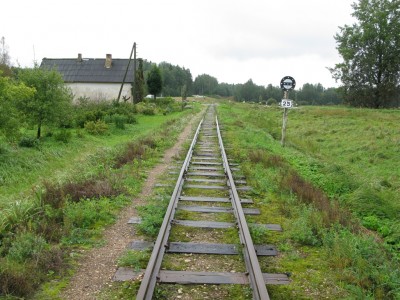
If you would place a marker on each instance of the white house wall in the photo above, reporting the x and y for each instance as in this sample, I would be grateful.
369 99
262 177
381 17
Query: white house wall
99 91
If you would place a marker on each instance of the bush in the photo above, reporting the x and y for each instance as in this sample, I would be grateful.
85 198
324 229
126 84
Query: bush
84 117
96 128
149 111
63 136
119 121
272 101
17 217
26 246
131 119
307 229
133 151
259 234
29 142
19 280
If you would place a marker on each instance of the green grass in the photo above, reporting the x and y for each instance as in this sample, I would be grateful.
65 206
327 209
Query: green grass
21 169
59 196
339 170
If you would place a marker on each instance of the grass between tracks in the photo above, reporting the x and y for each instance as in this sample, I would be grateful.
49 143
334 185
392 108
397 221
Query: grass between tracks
57 199
335 190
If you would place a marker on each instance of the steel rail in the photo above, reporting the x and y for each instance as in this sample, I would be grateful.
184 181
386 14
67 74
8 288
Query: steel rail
253 267
149 280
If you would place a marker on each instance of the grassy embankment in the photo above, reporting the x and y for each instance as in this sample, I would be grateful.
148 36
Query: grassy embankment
335 188
57 197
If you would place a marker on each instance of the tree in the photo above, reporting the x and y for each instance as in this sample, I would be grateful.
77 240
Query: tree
52 100
154 81
370 49
174 78
184 92
205 85
10 93
139 83
249 91
5 60
4 55
310 93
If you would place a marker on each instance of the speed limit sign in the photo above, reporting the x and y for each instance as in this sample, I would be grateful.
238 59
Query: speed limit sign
286 103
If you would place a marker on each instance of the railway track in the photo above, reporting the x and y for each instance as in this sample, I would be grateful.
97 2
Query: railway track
205 190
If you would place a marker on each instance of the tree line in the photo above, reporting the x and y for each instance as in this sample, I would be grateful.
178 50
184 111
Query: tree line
369 71
175 79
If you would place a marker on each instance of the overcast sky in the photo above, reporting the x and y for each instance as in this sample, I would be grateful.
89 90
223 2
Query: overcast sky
232 40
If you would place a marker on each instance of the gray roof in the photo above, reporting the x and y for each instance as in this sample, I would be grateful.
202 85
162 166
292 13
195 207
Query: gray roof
90 69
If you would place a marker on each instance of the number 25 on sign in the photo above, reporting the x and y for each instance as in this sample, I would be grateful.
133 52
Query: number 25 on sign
286 103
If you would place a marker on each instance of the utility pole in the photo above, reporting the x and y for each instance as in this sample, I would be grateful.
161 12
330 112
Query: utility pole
134 74
126 71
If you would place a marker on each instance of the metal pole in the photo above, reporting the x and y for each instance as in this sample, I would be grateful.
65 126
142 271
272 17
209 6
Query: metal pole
285 117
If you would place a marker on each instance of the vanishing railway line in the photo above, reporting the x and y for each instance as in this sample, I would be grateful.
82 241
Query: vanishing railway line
206 182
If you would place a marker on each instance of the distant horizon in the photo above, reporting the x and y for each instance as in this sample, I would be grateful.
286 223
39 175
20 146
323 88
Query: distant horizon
232 41
193 78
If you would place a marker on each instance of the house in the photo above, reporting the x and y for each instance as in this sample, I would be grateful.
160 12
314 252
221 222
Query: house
94 78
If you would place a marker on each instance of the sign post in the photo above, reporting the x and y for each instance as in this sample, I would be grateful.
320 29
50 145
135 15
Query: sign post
287 83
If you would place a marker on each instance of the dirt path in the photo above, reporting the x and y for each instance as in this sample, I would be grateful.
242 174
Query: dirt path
98 265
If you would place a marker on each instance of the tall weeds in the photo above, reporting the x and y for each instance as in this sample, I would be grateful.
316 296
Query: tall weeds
307 193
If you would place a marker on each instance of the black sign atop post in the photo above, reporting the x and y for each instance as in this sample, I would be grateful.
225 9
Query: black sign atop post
288 83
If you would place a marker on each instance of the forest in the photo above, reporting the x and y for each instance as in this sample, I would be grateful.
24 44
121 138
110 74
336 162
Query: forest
175 77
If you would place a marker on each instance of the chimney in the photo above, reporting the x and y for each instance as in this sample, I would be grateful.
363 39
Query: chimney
79 59
108 61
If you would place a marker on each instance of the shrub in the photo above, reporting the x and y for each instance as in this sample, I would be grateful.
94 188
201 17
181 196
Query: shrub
63 136
51 259
272 101
259 234
307 229
371 222
29 142
96 128
76 191
19 280
17 217
119 121
133 151
26 246
131 119
84 117
149 111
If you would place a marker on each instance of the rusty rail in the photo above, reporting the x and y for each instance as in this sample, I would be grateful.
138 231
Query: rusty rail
153 267
253 275
253 267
